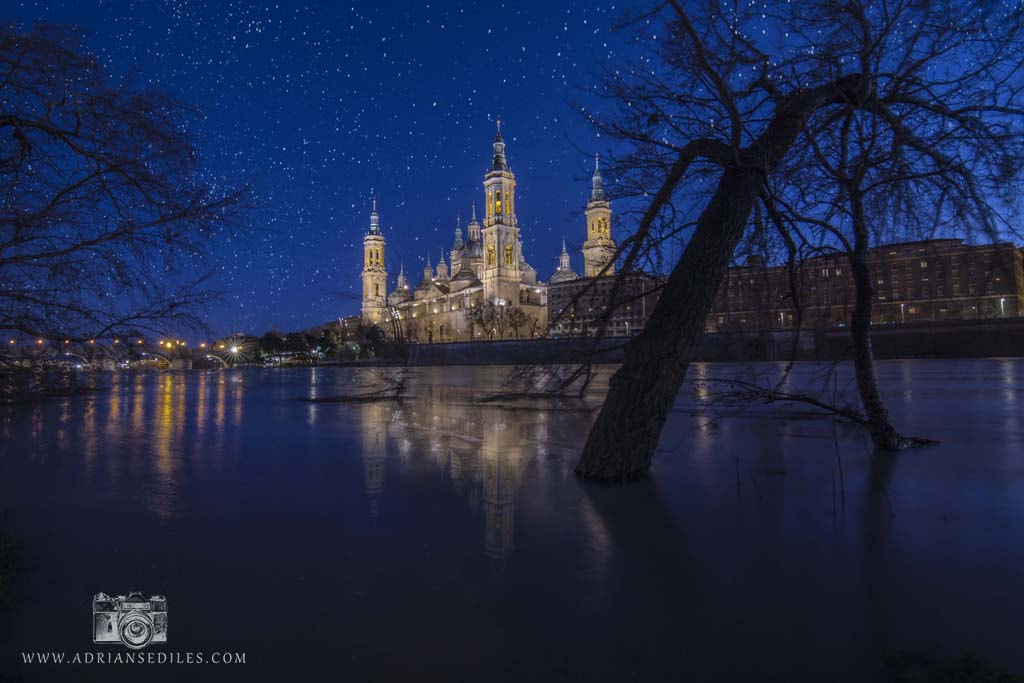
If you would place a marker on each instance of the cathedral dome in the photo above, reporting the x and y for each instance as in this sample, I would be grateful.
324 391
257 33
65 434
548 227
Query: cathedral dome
563 276
564 272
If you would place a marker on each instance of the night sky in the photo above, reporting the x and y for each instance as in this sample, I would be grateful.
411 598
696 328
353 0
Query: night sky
318 105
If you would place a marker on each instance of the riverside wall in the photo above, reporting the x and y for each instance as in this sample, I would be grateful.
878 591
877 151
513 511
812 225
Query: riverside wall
947 339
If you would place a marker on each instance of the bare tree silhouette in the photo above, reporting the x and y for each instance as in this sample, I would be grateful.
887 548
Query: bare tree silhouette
711 124
105 210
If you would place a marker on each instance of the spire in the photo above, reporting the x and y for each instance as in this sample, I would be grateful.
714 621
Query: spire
458 235
442 268
563 258
374 218
499 163
597 193
428 272
402 284
473 227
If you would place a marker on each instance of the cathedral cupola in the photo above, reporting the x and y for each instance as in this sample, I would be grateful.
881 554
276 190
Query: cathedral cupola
597 182
499 163
565 272
442 268
473 227
458 236
374 219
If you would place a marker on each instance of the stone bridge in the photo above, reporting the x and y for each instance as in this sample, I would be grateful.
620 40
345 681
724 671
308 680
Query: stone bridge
109 354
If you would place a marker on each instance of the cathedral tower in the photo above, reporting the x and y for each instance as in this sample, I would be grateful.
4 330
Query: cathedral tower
599 249
502 273
375 276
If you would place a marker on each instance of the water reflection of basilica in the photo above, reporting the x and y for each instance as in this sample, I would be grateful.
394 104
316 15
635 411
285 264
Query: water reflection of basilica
482 448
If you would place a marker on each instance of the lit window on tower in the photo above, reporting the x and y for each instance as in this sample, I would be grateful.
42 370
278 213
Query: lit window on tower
490 255
508 255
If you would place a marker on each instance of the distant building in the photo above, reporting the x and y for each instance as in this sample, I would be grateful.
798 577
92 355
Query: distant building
489 266
942 279
577 305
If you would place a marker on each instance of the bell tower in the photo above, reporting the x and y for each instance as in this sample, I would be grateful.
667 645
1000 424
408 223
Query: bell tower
502 273
375 276
599 249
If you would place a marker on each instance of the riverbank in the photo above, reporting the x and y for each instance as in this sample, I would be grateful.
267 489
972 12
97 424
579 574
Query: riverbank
995 338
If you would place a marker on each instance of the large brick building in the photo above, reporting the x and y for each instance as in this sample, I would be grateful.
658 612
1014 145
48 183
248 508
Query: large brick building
575 307
942 279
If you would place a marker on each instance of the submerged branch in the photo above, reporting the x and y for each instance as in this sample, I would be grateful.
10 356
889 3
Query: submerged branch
743 393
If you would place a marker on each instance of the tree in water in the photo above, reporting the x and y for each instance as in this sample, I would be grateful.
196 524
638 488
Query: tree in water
716 117
106 210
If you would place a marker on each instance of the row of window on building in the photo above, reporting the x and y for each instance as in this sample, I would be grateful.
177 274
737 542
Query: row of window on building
929 280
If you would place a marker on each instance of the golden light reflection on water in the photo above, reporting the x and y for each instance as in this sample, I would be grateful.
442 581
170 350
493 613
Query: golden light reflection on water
153 423
483 449
168 412
488 446
90 429
202 404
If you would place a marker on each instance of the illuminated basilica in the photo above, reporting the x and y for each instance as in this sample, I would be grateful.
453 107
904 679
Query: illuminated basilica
486 265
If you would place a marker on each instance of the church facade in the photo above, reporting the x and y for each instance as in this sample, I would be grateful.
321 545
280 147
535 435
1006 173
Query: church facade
487 290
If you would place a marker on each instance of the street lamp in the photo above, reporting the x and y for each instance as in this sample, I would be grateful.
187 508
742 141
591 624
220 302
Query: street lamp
1002 308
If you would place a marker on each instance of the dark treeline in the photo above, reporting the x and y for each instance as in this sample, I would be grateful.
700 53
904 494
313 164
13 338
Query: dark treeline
332 343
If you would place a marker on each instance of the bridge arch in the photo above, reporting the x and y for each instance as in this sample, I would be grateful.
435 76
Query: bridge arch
159 356
85 361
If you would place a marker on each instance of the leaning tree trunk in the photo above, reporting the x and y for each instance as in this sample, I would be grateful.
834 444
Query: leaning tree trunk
883 434
641 393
